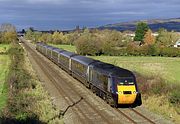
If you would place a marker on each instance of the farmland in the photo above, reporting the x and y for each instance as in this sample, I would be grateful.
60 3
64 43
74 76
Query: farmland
164 67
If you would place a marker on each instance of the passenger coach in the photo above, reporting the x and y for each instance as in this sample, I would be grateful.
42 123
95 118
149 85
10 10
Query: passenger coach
114 84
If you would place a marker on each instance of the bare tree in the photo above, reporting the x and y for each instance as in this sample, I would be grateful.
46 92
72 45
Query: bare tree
6 27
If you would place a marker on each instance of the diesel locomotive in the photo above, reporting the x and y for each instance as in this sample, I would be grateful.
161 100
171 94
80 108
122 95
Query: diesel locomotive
117 86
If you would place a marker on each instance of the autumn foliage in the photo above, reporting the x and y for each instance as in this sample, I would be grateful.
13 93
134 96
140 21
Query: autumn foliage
149 39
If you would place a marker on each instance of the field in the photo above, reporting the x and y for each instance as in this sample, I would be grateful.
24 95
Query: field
65 47
164 67
4 64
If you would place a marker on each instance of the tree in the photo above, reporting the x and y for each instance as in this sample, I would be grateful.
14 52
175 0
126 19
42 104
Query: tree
6 27
46 37
8 37
166 39
8 33
23 31
88 44
29 34
33 35
111 40
72 37
57 37
149 39
31 28
141 29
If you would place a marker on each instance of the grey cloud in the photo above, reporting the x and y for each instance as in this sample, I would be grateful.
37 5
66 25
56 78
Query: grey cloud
47 14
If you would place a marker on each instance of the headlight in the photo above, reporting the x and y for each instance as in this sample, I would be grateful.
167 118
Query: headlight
134 92
119 92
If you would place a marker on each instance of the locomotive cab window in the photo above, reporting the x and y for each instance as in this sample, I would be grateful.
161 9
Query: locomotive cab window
125 81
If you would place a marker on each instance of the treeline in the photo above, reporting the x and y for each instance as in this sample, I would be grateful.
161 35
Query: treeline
91 42
55 38
146 50
111 42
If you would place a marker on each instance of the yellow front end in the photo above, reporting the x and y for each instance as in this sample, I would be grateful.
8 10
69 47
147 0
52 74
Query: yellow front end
126 94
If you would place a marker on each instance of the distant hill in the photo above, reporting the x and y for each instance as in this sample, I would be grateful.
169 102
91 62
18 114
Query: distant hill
154 24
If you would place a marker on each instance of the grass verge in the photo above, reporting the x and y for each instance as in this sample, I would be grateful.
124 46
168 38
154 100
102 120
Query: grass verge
4 48
4 67
160 105
27 101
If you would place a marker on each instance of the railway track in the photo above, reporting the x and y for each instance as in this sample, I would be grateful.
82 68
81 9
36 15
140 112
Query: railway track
134 119
69 94
85 111
146 118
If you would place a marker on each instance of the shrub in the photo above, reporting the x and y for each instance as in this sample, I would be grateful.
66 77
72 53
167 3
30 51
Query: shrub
88 45
152 50
152 85
175 95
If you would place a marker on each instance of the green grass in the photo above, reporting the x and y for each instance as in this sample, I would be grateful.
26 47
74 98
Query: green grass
165 67
70 48
4 48
4 65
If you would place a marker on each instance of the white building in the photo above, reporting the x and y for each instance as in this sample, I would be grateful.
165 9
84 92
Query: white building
177 43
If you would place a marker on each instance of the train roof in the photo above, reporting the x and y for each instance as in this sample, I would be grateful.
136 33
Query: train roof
49 47
111 70
58 50
84 60
40 44
67 54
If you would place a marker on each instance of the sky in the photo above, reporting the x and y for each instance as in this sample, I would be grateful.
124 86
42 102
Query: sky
67 14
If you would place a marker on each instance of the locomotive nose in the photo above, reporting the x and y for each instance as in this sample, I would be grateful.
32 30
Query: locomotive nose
126 94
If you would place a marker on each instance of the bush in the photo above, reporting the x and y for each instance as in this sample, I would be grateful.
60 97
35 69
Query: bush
175 95
170 52
152 50
88 45
158 86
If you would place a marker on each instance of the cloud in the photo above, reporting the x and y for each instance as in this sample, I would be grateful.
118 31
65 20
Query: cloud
47 1
69 13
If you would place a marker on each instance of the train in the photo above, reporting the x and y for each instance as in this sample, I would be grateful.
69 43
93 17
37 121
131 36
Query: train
117 86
